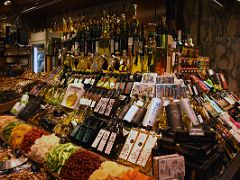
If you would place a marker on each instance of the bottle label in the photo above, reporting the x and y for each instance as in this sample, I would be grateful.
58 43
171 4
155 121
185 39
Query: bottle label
116 46
92 81
104 105
130 41
173 58
74 123
147 150
93 104
140 47
163 40
128 144
190 89
137 148
85 47
103 141
99 104
112 46
112 85
200 119
195 90
128 88
109 107
215 106
87 81
98 138
89 102
110 143
97 46
235 135
139 103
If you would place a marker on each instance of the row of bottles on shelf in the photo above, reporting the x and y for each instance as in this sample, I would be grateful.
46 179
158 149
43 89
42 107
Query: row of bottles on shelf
116 85
121 45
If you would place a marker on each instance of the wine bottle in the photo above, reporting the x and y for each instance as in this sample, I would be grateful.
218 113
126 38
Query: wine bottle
126 108
116 141
139 116
112 102
132 111
124 32
91 133
163 33
82 130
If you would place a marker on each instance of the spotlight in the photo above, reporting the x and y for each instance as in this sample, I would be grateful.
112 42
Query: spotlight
7 3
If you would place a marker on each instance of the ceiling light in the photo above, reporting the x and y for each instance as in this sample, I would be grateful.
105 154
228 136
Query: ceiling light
7 3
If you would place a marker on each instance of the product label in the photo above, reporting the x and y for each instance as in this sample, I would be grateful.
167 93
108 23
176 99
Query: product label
99 104
128 144
103 141
147 150
112 46
130 41
92 81
110 143
137 148
200 119
190 89
116 46
104 105
98 138
93 104
97 46
140 47
195 90
109 107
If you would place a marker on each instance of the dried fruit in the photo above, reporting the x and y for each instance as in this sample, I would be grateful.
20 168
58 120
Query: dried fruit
80 165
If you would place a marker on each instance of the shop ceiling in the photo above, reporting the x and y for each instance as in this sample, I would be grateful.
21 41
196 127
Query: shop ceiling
44 8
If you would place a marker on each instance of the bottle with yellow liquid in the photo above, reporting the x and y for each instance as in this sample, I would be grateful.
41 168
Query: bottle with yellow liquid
82 63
